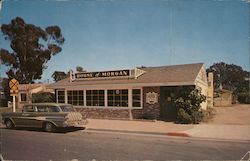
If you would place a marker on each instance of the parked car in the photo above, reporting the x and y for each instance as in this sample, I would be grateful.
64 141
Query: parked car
49 116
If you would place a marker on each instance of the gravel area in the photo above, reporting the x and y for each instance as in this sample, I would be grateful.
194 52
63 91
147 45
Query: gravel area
238 114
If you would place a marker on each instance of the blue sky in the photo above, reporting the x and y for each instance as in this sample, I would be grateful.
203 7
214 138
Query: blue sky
116 34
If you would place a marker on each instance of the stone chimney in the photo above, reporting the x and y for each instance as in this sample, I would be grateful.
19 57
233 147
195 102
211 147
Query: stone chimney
210 91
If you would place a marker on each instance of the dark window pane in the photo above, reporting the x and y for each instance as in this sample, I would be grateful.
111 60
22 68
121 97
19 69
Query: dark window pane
23 97
124 91
95 92
136 97
95 97
69 92
101 92
88 103
75 93
136 91
88 97
88 92
136 104
60 92
81 103
75 102
101 103
110 103
110 98
110 91
70 101
124 98
124 104
117 98
81 93
95 103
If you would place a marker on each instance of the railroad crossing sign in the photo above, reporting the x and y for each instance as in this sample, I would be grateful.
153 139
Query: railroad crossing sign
13 87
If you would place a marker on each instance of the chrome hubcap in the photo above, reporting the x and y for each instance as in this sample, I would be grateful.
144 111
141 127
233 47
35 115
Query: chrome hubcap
49 127
8 124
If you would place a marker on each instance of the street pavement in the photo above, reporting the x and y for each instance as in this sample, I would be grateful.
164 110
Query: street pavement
203 130
79 144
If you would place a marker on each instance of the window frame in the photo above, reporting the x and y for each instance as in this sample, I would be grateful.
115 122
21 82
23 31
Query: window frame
26 96
97 95
75 97
57 95
134 101
106 104
118 98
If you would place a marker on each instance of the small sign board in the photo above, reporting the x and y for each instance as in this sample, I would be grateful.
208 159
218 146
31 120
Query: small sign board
117 73
13 87
151 97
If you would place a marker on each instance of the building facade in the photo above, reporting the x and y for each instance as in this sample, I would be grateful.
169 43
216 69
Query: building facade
145 92
25 92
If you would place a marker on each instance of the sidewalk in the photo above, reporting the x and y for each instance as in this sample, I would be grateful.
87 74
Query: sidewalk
205 131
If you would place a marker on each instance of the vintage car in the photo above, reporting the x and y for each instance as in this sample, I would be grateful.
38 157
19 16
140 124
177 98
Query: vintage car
49 116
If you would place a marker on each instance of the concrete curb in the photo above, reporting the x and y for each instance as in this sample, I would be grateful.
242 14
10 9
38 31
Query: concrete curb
181 134
126 131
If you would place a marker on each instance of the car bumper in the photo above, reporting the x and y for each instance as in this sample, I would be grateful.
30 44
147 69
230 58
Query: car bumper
75 123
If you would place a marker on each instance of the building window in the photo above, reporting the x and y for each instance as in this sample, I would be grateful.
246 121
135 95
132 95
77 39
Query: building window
76 97
118 97
60 97
23 97
95 97
136 97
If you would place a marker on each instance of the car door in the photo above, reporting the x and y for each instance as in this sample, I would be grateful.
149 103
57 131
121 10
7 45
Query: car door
22 119
29 116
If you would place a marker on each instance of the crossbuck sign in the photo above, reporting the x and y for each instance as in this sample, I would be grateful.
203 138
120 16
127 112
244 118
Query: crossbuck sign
13 87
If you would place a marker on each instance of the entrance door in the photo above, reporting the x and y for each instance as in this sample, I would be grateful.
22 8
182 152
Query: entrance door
168 96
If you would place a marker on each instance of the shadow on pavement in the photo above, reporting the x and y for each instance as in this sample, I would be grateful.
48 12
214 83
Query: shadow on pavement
59 130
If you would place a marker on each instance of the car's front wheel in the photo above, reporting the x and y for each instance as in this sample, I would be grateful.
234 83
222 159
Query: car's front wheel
49 127
9 124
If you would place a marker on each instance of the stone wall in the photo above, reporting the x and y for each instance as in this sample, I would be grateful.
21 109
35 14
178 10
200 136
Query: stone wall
149 111
104 113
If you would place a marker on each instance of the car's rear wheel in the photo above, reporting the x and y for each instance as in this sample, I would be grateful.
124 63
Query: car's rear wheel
49 127
9 124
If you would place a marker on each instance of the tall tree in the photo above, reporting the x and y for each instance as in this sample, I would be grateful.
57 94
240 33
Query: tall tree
230 77
80 69
31 48
58 75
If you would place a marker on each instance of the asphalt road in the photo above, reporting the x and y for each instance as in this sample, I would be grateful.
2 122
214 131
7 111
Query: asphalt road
82 145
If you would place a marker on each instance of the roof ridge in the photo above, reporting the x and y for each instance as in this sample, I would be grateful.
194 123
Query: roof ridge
164 66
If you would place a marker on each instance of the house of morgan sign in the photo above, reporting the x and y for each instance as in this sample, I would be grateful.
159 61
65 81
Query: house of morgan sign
117 73
151 97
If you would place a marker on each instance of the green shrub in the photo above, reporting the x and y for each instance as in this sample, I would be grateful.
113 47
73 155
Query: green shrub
183 117
244 98
43 97
188 107
196 117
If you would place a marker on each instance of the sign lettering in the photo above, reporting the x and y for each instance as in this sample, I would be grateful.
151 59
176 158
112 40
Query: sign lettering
119 73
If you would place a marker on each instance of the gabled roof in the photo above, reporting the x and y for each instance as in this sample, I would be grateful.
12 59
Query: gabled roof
165 75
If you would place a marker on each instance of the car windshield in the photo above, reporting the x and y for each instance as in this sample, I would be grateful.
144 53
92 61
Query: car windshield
53 109
67 108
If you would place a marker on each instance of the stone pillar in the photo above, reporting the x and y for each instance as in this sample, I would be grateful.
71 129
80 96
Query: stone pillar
150 110
210 90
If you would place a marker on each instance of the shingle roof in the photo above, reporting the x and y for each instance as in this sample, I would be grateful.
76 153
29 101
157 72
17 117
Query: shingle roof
174 74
